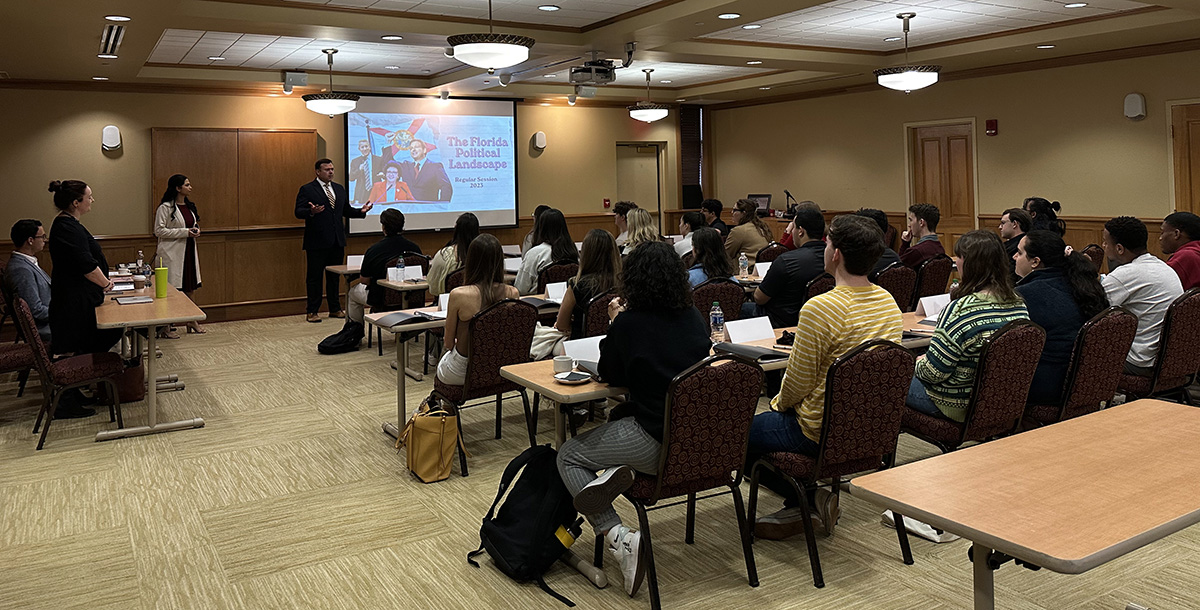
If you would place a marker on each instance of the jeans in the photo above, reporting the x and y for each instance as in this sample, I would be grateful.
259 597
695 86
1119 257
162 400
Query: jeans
918 400
773 431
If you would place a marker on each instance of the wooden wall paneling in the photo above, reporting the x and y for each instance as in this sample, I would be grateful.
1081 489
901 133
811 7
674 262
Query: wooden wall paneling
209 158
1185 143
264 265
214 271
272 165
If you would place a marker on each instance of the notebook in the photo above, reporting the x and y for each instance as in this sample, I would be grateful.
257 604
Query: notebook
134 300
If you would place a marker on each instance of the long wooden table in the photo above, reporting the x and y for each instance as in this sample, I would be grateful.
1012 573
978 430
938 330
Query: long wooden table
176 308
1067 497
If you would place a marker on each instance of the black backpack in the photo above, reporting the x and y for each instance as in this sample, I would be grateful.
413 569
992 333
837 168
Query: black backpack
537 523
346 340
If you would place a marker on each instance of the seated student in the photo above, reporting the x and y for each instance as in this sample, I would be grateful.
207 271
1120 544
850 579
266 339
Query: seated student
620 218
749 235
656 333
786 240
889 255
454 254
1141 283
527 243
708 257
919 242
483 286
25 277
785 288
830 325
711 208
1180 238
1014 224
554 244
367 292
1044 214
641 230
983 302
688 222
1061 292
599 265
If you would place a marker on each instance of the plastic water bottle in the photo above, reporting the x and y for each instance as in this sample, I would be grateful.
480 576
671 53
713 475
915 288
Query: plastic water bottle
400 269
743 265
141 263
717 322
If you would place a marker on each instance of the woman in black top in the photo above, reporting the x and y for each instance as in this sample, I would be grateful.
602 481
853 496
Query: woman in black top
656 333
80 275
599 264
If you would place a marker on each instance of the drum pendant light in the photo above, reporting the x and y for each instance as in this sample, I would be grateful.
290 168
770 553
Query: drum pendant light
330 103
908 77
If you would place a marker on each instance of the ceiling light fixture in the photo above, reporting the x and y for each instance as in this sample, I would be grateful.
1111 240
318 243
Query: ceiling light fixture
908 77
751 26
893 39
391 67
215 58
571 99
648 111
490 51
330 103
549 8
117 18
1045 46
99 78
763 88
729 16
106 56
391 37
547 76
445 95
753 62
1075 5
665 82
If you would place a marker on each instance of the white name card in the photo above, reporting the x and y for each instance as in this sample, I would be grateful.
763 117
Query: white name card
511 250
512 265
443 301
413 272
354 260
750 329
931 307
556 292
761 269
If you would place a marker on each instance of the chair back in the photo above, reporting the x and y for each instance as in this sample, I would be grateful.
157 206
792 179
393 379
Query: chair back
41 355
770 252
689 259
932 277
393 299
889 237
865 390
1094 253
412 259
707 419
1097 362
1179 344
595 319
900 281
820 285
554 273
728 293
500 335
456 279
1006 365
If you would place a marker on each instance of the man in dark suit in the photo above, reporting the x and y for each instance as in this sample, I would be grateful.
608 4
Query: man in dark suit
25 278
363 171
427 180
322 204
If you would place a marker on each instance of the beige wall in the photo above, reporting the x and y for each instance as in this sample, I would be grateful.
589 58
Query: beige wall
55 135
1062 136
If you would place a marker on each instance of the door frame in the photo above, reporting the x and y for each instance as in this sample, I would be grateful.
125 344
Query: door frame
908 160
1170 139
660 160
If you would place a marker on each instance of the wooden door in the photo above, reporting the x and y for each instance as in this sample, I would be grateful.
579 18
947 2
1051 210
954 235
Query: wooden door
943 174
638 177
1185 141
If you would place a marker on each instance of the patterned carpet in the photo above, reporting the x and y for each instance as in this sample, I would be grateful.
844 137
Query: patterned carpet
291 497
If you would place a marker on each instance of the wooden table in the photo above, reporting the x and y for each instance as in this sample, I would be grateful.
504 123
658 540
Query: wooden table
539 377
176 308
344 270
1067 497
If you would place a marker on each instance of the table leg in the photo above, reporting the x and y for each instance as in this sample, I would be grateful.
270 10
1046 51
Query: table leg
560 425
985 592
151 401
393 430
151 376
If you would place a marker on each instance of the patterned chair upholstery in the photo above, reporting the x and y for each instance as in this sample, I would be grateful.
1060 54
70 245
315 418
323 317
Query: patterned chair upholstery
17 357
499 336
724 291
1097 362
864 405
889 237
770 252
67 373
900 281
1094 253
933 276
556 272
454 280
689 259
820 285
1006 365
708 412
1178 352
595 321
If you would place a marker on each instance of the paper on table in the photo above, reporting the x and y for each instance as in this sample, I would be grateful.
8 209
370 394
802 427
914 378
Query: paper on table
556 291
760 269
122 286
437 315
134 300
512 265
511 250
584 349
750 329
931 307
354 260
413 273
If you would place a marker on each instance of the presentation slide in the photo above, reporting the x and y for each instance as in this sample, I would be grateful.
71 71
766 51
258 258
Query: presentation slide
433 160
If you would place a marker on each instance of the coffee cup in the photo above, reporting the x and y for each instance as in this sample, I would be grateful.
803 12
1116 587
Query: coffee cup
139 282
562 364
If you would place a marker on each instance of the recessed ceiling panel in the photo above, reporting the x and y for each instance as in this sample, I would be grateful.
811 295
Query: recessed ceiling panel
571 13
865 24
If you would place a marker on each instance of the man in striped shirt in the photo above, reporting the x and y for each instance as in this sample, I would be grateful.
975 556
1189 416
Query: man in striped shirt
830 325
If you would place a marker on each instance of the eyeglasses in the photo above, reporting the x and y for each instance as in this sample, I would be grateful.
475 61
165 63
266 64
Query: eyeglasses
42 237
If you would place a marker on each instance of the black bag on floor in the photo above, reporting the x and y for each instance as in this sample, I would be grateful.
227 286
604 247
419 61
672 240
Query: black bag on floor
535 525
346 340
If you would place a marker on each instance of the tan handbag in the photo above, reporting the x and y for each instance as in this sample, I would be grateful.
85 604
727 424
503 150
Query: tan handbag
429 439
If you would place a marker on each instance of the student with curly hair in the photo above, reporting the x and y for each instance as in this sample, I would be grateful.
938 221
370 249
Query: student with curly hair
1044 214
656 333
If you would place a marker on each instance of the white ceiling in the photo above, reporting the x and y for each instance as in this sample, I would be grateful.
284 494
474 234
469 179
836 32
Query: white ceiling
864 24
573 13
193 47
680 74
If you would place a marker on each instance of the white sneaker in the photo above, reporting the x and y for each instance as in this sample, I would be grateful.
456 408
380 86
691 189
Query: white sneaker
598 495
626 545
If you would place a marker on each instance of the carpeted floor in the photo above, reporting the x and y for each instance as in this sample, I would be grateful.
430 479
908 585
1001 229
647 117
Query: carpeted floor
291 497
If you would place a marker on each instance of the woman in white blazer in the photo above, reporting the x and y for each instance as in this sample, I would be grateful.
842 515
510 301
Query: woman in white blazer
176 224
